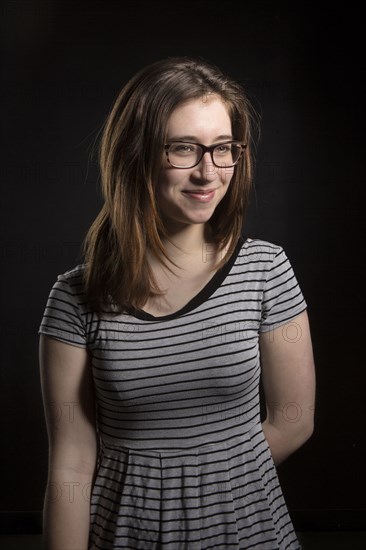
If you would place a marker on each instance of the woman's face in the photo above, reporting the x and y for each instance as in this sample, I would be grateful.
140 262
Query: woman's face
190 195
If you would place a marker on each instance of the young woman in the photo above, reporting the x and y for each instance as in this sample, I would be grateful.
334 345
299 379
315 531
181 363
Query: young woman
152 350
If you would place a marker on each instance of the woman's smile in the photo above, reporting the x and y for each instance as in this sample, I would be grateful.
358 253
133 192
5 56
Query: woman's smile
200 195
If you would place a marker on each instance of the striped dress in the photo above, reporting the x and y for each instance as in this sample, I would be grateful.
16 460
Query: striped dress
183 463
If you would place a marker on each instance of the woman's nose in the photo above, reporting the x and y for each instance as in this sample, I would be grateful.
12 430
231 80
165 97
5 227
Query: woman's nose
206 167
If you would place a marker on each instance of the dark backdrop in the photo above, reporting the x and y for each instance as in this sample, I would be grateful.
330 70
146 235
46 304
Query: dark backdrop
63 65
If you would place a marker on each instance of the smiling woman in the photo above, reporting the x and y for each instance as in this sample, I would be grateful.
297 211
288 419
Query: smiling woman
162 336
150 113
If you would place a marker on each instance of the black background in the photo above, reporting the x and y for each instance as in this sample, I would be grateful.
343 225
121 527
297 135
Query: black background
62 67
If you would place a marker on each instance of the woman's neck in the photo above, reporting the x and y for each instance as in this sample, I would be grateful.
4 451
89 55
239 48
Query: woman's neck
188 241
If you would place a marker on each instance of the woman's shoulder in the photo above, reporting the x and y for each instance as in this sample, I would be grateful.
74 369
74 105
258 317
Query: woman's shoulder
71 283
73 274
255 246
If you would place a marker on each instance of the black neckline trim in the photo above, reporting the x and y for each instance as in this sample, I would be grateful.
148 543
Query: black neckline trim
202 295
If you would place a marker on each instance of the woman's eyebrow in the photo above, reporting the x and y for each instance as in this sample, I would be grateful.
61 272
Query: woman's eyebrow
194 138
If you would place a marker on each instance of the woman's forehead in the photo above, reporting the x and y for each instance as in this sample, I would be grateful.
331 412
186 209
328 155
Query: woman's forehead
200 115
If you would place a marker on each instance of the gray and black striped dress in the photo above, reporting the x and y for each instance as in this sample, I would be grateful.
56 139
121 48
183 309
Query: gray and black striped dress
183 463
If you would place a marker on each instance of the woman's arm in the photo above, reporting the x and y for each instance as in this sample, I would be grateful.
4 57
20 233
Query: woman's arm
288 377
67 389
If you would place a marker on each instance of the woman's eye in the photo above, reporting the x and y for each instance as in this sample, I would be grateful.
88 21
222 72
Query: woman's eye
182 148
222 149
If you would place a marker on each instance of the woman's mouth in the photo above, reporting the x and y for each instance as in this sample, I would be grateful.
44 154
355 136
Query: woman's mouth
200 195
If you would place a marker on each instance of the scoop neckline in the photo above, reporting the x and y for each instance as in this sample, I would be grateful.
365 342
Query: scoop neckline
210 287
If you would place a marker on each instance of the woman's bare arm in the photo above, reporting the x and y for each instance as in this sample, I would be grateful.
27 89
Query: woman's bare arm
67 389
288 376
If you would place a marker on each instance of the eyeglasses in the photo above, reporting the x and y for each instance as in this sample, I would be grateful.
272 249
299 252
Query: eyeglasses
181 154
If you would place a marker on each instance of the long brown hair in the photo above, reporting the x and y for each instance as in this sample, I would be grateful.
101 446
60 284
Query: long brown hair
130 156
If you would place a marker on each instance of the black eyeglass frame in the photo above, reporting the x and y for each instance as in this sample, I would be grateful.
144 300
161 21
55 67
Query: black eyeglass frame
205 149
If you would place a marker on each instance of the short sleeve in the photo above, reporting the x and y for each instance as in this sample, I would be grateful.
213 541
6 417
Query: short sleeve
62 318
282 296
